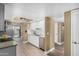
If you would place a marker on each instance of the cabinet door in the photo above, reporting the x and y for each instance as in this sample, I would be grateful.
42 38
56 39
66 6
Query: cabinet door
8 51
1 17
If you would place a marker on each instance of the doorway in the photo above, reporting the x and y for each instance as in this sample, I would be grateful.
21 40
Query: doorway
58 39
60 33
72 33
17 31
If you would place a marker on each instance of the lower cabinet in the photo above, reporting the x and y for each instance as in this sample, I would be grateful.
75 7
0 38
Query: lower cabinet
9 51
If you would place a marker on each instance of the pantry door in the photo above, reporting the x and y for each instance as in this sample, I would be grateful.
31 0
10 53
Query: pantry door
75 33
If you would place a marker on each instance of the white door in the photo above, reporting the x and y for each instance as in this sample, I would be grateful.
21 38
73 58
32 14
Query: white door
75 33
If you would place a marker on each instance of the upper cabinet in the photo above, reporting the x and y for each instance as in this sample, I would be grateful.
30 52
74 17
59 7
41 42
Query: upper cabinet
1 17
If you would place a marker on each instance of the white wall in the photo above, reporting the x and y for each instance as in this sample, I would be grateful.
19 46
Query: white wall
33 38
56 32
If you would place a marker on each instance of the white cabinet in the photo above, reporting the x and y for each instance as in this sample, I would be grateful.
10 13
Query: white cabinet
1 17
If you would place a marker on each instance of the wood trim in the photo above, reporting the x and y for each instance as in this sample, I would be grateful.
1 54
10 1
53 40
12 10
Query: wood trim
49 33
67 33
47 52
73 9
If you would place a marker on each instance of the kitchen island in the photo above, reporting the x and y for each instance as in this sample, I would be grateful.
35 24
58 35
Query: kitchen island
8 48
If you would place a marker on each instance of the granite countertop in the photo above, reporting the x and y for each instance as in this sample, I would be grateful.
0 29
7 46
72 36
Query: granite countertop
7 44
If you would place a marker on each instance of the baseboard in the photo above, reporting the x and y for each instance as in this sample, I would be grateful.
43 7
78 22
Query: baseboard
25 42
59 43
46 52
33 45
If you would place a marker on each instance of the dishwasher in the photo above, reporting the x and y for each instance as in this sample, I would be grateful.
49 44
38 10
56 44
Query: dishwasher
41 43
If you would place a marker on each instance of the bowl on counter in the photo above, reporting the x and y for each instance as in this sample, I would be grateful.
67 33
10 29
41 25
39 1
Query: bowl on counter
2 39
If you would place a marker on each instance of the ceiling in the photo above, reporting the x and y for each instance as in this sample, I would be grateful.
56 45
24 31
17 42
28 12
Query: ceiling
58 9
38 10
